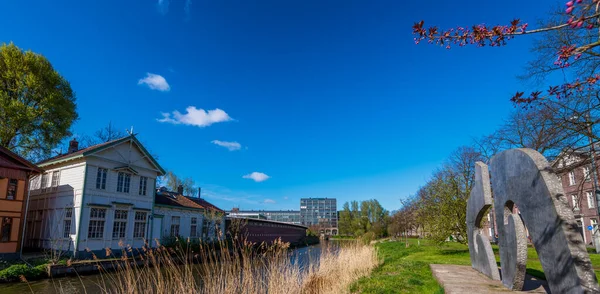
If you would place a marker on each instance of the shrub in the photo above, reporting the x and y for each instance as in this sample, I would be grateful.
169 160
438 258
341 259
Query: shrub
367 238
15 271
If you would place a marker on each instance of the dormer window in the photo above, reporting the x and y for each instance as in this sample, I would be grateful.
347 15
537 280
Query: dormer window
123 182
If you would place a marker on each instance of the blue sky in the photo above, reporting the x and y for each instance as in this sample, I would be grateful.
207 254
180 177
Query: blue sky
326 98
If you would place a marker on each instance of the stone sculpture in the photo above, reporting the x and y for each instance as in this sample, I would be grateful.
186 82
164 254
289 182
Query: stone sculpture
524 178
480 201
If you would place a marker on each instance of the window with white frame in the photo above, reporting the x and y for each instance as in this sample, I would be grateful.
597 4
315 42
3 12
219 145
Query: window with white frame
120 224
591 200
55 178
175 221
101 178
575 200
123 182
586 173
97 220
67 222
143 185
44 183
139 227
571 178
194 227
594 223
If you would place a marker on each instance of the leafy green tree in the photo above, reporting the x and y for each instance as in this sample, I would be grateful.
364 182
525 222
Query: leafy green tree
345 220
172 182
442 202
37 105
370 218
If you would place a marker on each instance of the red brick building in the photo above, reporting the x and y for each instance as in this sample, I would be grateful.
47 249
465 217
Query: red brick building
575 172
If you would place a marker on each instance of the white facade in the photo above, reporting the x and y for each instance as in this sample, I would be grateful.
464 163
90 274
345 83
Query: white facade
97 199
173 221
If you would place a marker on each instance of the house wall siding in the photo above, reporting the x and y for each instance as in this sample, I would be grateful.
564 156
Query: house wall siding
47 207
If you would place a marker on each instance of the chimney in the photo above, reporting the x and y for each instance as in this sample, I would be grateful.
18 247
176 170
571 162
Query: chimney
73 145
199 192
180 189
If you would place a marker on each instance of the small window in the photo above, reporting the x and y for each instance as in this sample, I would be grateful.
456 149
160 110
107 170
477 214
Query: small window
594 223
586 173
5 232
67 222
11 194
194 227
44 183
571 178
55 178
175 220
120 224
575 200
101 178
143 185
139 228
590 199
97 220
123 182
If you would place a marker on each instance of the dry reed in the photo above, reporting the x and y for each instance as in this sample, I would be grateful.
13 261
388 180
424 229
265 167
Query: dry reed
241 268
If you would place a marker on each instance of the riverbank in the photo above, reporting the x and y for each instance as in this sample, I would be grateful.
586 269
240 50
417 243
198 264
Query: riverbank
408 268
329 267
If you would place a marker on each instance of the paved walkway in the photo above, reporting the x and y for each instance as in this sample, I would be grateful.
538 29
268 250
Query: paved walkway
464 279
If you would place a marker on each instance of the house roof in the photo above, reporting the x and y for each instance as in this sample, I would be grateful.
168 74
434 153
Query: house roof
175 200
97 148
204 203
170 198
10 159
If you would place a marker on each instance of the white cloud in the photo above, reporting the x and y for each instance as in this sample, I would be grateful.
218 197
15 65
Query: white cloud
196 117
231 146
257 176
155 82
269 201
163 6
285 198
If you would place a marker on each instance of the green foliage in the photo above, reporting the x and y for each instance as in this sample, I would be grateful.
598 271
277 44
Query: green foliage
173 182
370 218
407 268
366 238
441 204
14 272
37 105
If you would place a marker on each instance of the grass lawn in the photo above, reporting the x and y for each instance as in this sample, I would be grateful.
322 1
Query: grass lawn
406 270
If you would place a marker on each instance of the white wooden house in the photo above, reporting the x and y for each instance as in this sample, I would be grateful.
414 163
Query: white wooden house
176 215
94 198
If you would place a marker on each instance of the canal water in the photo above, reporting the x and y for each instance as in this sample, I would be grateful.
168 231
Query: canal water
303 257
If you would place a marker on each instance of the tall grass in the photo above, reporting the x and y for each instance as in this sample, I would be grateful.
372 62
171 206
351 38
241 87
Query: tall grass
239 267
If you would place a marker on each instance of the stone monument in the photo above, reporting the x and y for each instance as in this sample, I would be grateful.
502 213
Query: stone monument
523 178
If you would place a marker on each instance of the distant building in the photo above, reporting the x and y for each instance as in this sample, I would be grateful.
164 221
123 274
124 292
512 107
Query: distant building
284 216
320 212
176 215
574 170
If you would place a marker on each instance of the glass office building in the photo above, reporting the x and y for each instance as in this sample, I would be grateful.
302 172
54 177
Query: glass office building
319 211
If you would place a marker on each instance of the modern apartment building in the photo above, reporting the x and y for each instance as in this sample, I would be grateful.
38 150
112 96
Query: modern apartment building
320 212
